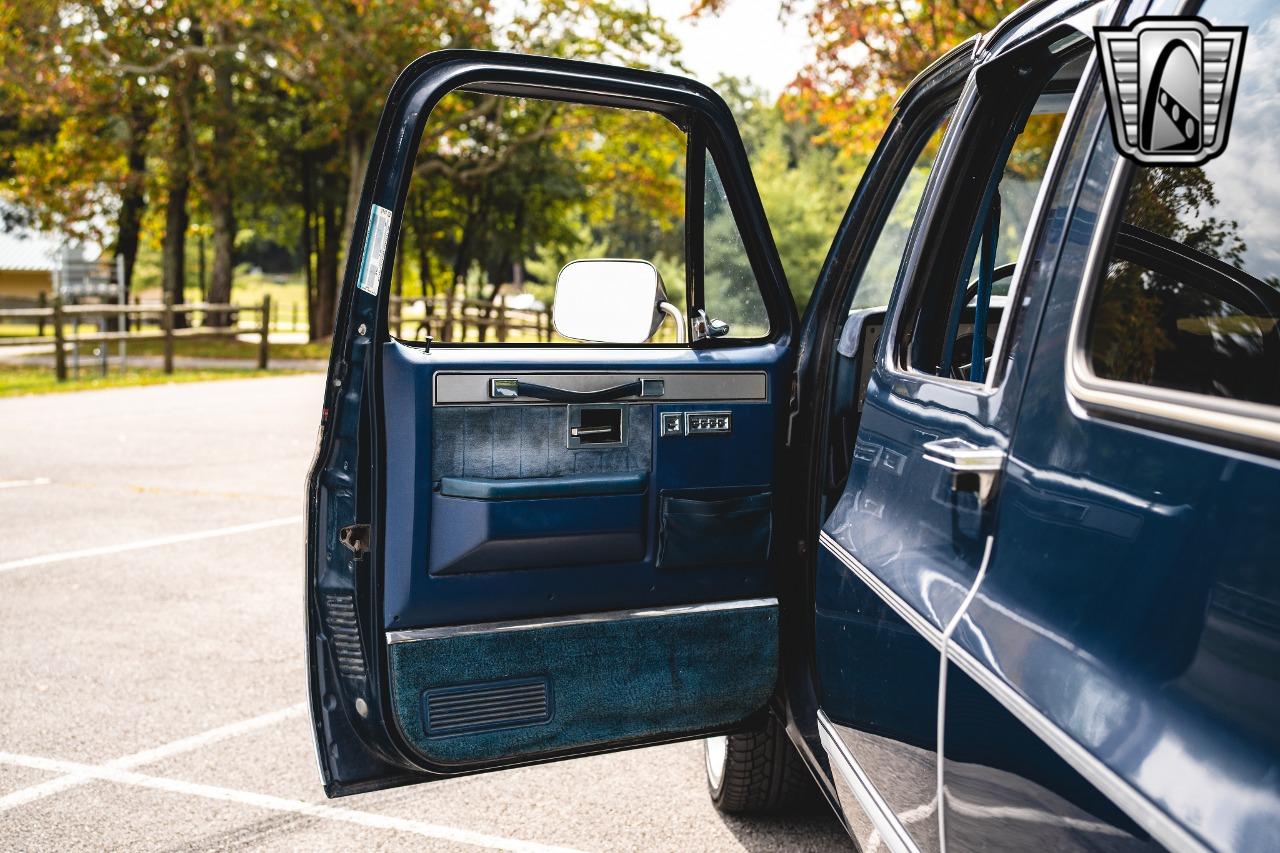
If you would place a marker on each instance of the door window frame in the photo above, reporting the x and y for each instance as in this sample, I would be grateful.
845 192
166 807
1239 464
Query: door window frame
697 110
974 131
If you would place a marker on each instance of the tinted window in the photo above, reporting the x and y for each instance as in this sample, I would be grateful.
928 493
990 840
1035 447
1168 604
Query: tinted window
1191 296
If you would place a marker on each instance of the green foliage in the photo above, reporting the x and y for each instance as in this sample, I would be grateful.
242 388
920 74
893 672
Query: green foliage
804 186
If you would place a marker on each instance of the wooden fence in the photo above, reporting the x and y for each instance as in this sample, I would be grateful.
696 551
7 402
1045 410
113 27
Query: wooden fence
451 319
134 318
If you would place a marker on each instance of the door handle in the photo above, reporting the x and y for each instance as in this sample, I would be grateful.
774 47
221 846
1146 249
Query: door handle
508 389
973 468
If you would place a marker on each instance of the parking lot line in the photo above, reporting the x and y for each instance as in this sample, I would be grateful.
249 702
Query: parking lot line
280 804
62 556
148 756
17 484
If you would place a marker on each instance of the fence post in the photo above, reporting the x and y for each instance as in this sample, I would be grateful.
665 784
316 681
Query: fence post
398 302
264 338
166 322
502 320
59 343
43 301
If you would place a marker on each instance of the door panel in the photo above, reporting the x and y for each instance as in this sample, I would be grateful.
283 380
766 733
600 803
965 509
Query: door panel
533 687
578 558
518 442
521 612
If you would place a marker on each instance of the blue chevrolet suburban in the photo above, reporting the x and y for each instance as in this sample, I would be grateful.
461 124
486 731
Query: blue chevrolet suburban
983 551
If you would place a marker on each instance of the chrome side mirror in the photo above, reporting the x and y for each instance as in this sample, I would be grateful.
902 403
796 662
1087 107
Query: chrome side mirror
612 301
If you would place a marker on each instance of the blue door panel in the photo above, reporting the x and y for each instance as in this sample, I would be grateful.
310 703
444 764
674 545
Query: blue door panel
1007 790
452 571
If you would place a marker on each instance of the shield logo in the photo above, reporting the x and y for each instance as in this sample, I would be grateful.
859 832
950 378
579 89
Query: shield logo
1171 85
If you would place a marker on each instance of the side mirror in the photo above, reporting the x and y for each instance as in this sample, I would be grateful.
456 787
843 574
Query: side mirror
612 301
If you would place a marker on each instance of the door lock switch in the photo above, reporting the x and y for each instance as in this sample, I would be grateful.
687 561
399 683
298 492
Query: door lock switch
672 423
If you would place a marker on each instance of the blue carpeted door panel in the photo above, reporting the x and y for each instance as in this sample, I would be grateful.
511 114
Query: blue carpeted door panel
606 681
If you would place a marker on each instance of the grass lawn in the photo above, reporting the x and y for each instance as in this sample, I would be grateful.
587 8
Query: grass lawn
19 380
228 348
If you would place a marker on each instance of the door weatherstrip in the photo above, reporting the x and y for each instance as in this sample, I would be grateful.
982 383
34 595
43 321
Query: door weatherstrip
394 637
1129 799
892 832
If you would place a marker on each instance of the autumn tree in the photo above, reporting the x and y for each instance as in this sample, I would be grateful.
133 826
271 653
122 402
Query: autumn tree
866 52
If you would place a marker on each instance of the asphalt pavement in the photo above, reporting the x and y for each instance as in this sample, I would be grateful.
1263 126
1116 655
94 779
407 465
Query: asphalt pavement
151 672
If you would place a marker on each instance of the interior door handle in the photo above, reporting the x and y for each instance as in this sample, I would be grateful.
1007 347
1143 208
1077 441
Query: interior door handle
973 468
509 389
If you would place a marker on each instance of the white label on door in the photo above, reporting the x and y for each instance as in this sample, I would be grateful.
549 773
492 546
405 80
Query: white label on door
375 250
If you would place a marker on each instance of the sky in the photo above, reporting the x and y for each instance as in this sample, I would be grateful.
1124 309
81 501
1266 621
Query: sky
745 40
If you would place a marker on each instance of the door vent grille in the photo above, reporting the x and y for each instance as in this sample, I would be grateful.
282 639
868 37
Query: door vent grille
340 619
482 707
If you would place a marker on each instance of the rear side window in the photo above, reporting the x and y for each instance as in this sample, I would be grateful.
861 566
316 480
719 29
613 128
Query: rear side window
1190 299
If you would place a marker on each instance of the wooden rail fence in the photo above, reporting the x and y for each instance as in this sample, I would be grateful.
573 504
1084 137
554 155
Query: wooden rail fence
132 318
449 319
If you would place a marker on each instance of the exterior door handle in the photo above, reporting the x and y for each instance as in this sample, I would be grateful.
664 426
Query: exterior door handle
973 468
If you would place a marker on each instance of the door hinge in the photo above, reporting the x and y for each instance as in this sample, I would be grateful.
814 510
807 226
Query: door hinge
355 537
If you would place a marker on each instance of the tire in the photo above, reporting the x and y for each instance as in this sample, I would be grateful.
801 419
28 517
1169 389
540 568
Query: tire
758 772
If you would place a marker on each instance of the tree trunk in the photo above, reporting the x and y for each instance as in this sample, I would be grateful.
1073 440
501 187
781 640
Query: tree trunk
173 265
327 267
357 145
133 199
308 214
221 198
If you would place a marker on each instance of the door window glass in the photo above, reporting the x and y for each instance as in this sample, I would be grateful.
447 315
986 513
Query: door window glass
729 285
507 191
1191 296
1190 299
881 270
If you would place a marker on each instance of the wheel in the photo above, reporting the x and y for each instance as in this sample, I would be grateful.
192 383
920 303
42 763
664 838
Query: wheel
757 772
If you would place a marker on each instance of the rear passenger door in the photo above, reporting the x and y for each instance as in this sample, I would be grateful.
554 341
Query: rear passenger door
1125 637
531 540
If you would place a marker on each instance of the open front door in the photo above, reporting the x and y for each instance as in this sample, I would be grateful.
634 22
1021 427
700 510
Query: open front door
525 546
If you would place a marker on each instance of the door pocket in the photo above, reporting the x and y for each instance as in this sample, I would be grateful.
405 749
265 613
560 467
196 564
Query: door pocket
705 529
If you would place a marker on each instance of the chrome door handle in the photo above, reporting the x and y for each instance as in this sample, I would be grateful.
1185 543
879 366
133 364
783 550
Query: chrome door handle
973 468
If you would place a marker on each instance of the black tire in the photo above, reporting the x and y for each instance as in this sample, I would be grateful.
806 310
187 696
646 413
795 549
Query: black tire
758 772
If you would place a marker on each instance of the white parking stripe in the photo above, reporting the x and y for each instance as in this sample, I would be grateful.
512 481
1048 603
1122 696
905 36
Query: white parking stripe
281 804
147 756
104 550
17 484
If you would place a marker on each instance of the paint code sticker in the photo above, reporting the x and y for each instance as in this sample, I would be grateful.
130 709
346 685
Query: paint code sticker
375 250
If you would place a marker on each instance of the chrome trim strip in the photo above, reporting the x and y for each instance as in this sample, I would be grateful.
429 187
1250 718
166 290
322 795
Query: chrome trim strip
922 625
892 832
470 387
1132 802
415 634
1255 420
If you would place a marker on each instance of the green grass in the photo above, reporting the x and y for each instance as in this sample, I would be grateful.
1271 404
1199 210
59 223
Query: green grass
228 348
22 380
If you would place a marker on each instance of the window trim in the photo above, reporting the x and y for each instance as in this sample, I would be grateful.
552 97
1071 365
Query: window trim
1164 408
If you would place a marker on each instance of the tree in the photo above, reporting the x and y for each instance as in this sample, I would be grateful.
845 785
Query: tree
865 53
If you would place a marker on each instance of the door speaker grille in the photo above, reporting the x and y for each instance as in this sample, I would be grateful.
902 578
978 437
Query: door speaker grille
482 707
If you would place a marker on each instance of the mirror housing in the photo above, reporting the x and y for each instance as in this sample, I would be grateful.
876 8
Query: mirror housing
612 301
